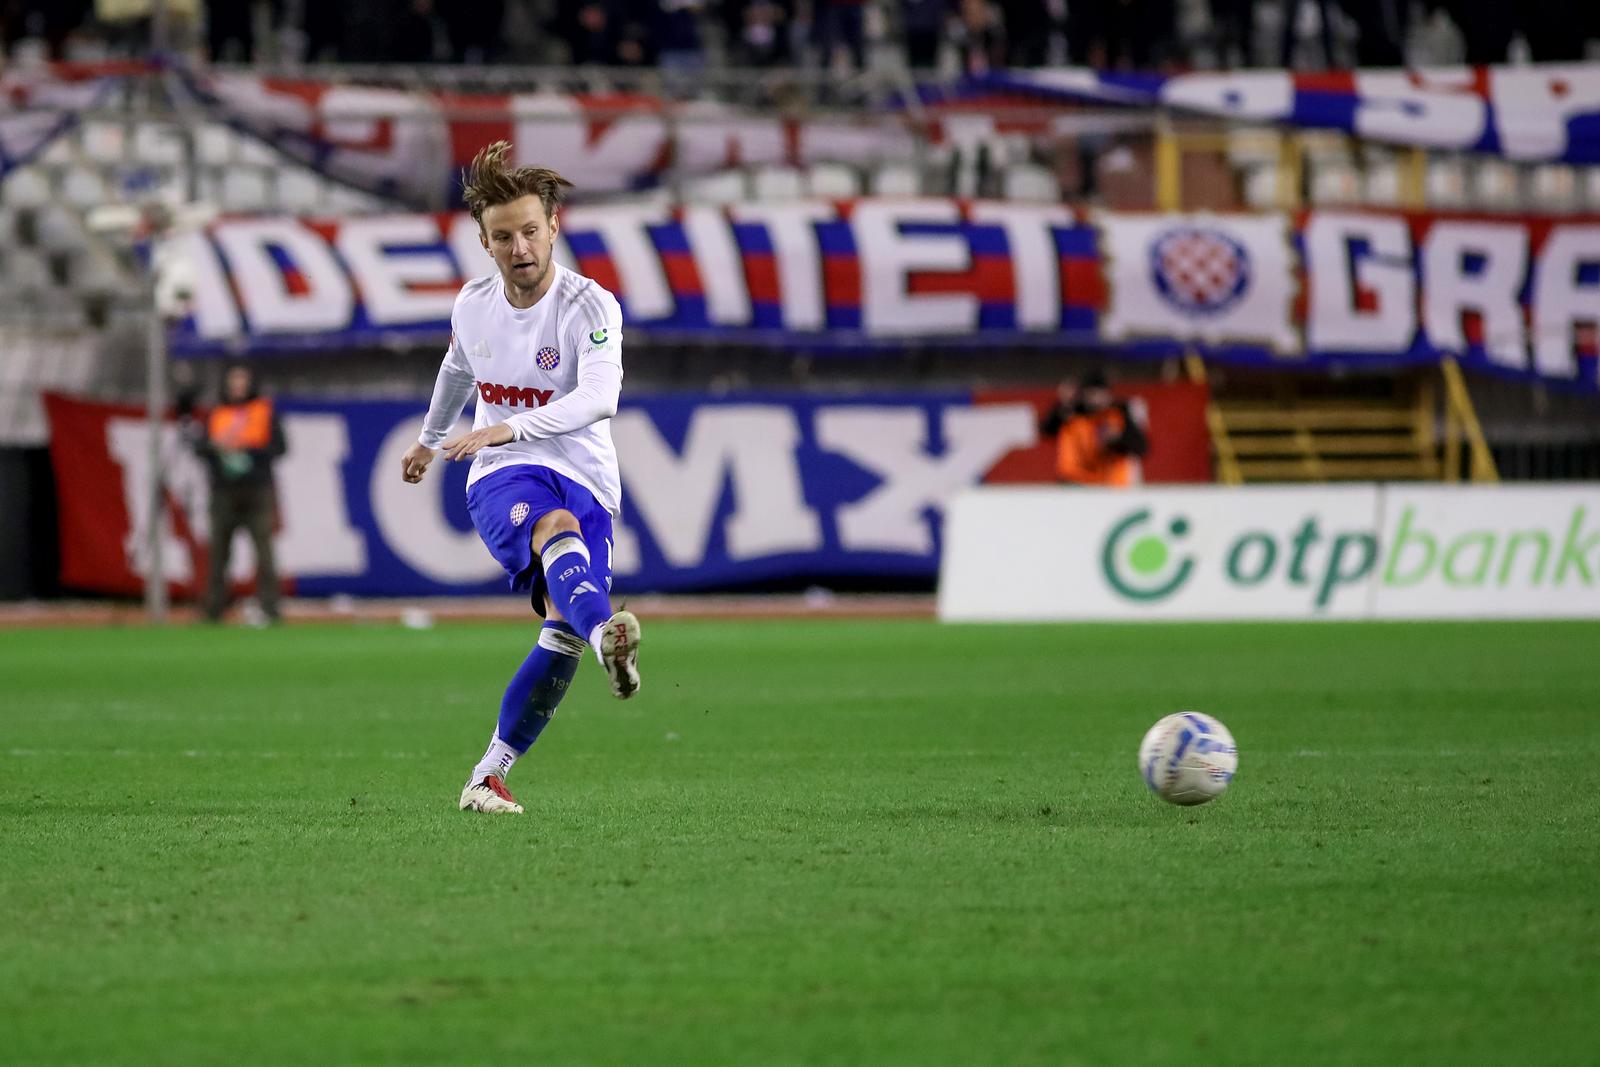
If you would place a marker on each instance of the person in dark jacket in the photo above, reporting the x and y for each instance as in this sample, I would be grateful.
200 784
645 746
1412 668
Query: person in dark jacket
239 440
1098 439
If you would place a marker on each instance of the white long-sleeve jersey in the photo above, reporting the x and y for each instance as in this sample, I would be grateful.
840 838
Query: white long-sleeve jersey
552 372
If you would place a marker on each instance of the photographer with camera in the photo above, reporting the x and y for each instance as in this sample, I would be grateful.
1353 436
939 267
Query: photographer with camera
1098 439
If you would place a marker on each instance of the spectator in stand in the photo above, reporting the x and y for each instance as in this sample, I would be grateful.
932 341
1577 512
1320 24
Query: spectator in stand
474 29
1384 24
230 31
239 441
1098 439
590 33
675 30
415 39
1029 26
839 26
922 22
1126 34
54 21
759 30
979 37
1235 22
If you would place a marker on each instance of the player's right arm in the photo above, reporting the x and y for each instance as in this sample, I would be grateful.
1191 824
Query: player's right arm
450 392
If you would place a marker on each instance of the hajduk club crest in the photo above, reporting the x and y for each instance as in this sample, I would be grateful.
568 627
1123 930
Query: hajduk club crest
547 358
1199 271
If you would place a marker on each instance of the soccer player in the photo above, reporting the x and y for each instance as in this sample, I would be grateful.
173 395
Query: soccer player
542 347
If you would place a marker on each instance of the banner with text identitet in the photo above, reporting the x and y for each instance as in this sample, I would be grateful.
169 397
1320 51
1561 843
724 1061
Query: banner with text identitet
1514 295
745 491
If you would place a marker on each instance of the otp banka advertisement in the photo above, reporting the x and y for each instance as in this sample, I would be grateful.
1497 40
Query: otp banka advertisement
1361 551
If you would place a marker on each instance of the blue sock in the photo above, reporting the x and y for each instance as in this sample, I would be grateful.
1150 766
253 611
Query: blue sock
539 685
577 593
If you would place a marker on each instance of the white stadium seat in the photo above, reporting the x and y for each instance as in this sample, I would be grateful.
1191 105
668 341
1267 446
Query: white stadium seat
769 184
1030 182
722 187
1381 183
157 144
833 181
1261 187
1555 188
26 187
57 229
252 150
243 189
103 142
299 191
214 145
1446 183
84 187
1334 183
1495 185
896 179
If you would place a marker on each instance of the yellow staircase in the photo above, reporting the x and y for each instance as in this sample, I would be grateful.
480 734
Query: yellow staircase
1289 429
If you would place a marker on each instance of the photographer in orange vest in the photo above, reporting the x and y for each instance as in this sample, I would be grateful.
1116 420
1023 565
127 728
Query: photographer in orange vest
1098 440
239 440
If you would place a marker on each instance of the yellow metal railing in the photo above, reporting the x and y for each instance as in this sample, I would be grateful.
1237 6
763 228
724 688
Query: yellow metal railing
1319 439
1461 424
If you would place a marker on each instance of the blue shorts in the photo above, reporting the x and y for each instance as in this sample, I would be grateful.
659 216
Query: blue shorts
504 506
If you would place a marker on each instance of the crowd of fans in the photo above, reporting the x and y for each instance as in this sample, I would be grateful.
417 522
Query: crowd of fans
687 35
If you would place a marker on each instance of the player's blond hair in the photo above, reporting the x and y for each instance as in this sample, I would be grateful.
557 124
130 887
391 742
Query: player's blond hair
487 182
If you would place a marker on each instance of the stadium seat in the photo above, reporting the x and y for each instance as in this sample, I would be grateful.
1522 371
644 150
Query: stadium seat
768 184
1446 183
103 142
1261 187
1252 146
1334 183
27 187
1495 185
1555 187
157 144
57 229
833 181
214 145
722 187
83 187
297 190
1380 183
1029 182
256 152
59 152
896 179
243 189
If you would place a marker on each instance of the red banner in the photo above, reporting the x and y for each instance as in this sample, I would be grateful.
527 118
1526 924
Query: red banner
1172 413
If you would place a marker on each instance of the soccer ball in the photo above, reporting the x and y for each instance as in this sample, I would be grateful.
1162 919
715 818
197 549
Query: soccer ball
1188 758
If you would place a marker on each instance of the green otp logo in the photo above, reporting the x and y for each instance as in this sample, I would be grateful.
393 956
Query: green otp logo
1143 566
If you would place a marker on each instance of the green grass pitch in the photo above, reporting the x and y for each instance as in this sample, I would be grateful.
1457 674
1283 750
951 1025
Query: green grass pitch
819 842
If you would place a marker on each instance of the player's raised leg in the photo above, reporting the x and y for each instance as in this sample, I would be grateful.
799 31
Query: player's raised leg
578 591
525 710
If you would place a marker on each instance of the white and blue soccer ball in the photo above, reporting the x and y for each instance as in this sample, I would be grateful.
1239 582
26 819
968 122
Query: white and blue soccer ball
1188 758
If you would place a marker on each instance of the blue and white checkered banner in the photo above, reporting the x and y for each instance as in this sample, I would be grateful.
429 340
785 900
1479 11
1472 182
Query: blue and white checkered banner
1542 112
1512 295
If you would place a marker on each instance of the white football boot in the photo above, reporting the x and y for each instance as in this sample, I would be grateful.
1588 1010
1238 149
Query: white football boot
619 652
491 797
